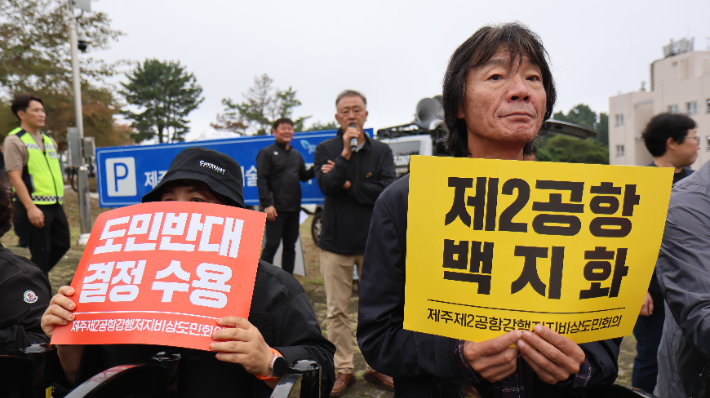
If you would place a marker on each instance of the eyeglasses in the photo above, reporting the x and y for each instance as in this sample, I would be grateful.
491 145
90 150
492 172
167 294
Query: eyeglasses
695 137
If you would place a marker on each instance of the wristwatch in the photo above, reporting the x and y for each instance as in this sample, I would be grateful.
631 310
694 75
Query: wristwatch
277 367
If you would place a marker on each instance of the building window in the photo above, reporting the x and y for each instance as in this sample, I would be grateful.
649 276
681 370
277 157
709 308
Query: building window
672 108
692 107
620 119
707 139
619 150
707 106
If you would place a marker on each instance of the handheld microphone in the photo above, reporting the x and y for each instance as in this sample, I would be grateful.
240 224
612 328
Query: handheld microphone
353 141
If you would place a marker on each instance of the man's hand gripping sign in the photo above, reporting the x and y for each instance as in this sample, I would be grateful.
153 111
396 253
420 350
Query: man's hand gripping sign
164 273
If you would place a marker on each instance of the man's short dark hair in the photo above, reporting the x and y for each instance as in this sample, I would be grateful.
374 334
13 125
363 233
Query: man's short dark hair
349 93
664 126
281 121
22 102
476 51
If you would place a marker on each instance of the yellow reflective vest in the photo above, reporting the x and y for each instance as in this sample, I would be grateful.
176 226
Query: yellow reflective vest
42 174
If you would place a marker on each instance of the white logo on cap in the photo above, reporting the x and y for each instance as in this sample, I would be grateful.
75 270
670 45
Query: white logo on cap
30 297
212 166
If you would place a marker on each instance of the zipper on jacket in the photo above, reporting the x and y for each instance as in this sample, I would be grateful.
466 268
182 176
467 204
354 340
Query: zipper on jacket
357 179
699 382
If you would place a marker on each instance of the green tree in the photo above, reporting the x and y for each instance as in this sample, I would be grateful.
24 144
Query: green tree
35 56
263 104
165 94
581 114
230 124
99 108
560 148
603 129
34 46
318 126
7 119
584 116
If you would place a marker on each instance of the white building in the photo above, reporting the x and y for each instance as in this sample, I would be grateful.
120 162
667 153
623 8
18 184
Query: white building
680 83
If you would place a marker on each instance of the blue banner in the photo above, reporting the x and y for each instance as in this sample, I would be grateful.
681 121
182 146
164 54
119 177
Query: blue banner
127 173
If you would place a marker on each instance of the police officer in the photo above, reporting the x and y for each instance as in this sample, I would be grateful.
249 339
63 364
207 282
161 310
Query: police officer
33 168
24 292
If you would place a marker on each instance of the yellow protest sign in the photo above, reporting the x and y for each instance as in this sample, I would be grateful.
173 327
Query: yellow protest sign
499 245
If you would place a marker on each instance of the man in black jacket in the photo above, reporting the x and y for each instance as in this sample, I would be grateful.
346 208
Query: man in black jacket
351 180
24 291
497 92
279 170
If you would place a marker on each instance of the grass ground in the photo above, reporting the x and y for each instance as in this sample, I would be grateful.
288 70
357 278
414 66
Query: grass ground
63 273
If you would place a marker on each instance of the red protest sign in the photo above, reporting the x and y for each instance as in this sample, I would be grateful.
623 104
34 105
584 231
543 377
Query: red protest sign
164 273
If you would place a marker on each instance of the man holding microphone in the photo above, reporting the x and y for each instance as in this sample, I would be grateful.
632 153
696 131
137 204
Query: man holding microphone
352 170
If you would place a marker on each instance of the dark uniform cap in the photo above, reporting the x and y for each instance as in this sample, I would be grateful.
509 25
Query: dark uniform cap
221 173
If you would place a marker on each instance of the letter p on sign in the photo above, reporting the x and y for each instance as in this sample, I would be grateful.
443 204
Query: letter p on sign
121 176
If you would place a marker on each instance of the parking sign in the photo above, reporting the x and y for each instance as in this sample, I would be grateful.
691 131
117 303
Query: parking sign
121 176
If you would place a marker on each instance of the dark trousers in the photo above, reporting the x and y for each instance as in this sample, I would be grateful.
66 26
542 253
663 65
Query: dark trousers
48 244
284 227
648 331
19 224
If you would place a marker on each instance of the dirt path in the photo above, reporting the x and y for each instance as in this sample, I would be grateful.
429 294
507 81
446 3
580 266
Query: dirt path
63 273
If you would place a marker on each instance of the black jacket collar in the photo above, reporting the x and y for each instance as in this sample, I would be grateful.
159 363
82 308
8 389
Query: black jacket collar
281 146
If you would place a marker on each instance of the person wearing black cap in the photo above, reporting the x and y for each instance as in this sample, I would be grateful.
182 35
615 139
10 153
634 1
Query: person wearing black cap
281 321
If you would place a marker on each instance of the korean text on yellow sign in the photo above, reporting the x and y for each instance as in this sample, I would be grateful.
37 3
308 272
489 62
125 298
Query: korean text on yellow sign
499 245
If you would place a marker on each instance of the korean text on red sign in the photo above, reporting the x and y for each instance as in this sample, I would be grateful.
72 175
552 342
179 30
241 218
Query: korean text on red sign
164 273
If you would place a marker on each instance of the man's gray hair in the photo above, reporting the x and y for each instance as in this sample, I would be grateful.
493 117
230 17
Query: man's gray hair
350 93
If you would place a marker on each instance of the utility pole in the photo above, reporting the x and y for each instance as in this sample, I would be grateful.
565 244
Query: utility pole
82 173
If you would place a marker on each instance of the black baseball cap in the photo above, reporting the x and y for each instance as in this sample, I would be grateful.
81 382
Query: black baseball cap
220 172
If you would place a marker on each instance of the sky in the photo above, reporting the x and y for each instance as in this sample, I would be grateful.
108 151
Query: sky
394 52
